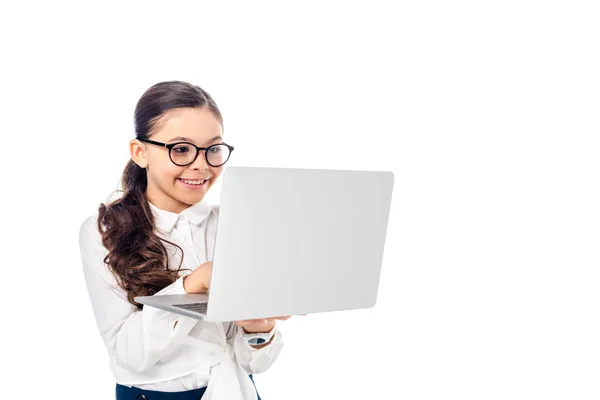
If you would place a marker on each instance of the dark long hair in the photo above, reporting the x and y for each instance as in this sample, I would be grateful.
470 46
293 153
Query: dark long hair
137 256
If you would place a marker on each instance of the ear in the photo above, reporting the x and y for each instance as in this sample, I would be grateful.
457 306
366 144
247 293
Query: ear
138 153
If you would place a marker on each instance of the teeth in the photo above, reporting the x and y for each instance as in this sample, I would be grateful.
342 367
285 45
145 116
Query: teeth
193 182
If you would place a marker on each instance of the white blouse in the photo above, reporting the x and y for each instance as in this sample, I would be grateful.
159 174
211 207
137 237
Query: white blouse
145 347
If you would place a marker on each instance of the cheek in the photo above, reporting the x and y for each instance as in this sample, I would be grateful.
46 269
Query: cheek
165 173
216 173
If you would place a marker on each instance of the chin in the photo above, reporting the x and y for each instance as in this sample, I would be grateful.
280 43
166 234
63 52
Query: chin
191 200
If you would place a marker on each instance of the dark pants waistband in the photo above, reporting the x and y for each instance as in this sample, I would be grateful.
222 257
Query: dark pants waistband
134 393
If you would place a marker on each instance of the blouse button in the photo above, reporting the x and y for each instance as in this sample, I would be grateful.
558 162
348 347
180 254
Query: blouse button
141 397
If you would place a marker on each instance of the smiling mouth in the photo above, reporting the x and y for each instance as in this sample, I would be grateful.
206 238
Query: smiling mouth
195 182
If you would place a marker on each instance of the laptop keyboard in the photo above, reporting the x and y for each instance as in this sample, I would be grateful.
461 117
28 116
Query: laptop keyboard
197 307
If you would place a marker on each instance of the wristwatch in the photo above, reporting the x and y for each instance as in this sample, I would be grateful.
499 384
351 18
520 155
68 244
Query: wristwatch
256 338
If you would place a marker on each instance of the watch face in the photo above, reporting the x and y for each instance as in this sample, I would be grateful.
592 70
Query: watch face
257 340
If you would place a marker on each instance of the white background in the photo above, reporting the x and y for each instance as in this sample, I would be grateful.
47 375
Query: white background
487 113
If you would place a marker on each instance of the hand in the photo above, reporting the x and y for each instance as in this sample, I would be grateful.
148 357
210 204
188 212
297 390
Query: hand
199 280
261 325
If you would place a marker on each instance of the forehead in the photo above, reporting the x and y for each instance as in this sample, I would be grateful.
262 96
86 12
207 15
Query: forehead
199 125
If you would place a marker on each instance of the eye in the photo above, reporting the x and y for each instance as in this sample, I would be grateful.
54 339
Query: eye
182 149
215 149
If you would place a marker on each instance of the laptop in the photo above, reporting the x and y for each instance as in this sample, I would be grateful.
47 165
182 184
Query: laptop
290 242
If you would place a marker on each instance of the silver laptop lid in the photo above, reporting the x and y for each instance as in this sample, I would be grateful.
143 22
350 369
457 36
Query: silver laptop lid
298 241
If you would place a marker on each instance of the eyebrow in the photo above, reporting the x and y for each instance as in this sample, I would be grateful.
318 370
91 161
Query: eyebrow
190 140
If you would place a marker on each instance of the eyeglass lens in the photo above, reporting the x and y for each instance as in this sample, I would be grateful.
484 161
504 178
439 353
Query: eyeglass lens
184 154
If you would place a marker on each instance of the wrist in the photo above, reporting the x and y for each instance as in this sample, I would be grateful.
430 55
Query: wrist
258 340
269 329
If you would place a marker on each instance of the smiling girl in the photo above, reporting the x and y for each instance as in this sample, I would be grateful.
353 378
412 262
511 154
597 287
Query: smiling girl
157 238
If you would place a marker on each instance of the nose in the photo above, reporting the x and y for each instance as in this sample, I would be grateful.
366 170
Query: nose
200 161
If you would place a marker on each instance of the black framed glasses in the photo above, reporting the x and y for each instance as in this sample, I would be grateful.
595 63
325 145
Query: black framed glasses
185 153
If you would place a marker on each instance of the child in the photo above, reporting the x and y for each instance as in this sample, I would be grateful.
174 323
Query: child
157 238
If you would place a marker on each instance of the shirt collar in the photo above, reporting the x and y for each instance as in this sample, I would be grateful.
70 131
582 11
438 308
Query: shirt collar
166 220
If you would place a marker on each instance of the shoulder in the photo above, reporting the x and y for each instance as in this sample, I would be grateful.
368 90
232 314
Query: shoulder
89 224
92 250
93 254
88 230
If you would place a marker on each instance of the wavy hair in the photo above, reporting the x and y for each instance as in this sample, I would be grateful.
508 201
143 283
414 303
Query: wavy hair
137 256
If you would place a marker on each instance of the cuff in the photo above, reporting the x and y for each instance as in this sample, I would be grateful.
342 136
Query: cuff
174 288
256 361
178 324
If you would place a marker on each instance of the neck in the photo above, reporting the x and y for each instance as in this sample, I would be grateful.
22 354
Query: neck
166 203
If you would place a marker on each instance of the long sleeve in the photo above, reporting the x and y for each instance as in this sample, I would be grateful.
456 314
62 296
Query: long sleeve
252 360
136 339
